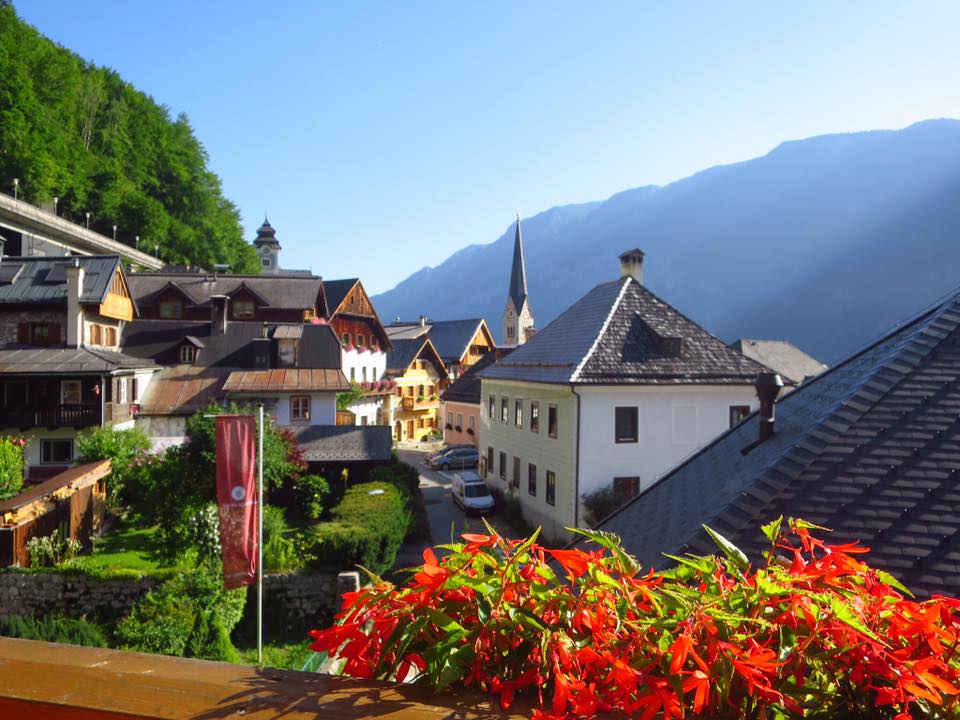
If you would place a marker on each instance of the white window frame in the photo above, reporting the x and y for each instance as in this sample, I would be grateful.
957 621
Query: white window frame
121 390
188 353
47 442
300 408
64 393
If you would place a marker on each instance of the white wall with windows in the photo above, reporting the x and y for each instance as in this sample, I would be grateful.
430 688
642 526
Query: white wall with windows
296 408
361 367
659 427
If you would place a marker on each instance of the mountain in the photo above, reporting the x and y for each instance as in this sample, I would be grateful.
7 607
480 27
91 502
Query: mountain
79 132
824 242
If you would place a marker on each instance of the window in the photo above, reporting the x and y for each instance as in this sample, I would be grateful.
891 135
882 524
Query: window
431 391
374 343
95 334
15 393
473 423
410 390
551 493
345 339
510 331
625 488
420 423
503 466
353 374
450 419
490 459
552 420
515 482
625 424
121 390
535 416
492 406
109 336
134 390
361 340
518 413
70 392
40 333
738 413
364 368
56 451
300 407
373 373
243 309
171 310
187 353
532 479
504 410
459 421
265 262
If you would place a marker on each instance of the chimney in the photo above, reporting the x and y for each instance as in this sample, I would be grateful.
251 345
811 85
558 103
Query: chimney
218 314
631 265
74 311
768 387
423 321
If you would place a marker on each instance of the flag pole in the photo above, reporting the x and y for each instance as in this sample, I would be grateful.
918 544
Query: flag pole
260 539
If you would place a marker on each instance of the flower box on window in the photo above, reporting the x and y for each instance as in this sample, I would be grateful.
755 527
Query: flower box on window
458 428
470 431
448 426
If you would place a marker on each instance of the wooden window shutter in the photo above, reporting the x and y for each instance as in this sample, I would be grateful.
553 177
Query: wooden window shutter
53 333
23 333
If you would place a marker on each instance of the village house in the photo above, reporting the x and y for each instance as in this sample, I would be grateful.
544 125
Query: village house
364 345
609 396
419 376
460 404
460 343
61 367
869 448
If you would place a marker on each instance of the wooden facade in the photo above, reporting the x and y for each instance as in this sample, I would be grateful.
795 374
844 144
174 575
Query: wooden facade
51 401
356 317
118 304
71 502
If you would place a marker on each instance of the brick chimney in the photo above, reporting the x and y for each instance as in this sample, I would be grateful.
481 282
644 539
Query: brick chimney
631 264
74 309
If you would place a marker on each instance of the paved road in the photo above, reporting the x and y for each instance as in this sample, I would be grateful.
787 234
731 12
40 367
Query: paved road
442 512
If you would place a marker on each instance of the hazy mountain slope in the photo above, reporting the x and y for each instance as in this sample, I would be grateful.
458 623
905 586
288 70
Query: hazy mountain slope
823 242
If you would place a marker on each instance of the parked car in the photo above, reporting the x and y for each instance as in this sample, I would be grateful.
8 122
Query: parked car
456 459
470 492
443 451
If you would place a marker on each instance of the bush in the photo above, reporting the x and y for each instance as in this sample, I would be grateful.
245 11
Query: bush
601 503
812 632
190 615
365 529
280 552
124 448
310 495
509 508
51 550
11 466
53 628
407 478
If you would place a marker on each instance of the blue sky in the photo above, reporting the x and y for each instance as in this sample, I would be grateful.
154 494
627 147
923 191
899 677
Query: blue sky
382 137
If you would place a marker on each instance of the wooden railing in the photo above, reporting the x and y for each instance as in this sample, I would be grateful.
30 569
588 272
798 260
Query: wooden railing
44 681
77 416
410 403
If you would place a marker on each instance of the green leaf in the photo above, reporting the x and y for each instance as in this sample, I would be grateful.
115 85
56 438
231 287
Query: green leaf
888 579
628 564
701 563
772 529
736 555
445 622
803 524
456 666
845 614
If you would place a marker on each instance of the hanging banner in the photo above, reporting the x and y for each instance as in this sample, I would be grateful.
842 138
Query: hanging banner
237 497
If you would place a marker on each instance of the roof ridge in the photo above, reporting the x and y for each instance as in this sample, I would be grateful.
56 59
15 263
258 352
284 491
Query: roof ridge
603 329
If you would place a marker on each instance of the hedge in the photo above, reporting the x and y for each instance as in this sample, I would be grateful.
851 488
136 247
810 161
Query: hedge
54 628
11 466
367 528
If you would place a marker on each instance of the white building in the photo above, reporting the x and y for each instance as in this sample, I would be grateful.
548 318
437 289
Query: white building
611 395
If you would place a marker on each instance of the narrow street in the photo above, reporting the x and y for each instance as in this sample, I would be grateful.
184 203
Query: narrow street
445 516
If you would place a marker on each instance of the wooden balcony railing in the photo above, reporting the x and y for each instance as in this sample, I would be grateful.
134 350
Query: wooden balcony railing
45 681
410 403
51 416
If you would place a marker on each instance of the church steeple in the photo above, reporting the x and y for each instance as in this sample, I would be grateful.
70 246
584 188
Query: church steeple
268 247
517 316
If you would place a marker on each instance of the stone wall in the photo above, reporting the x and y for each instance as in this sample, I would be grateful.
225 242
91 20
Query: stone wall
292 603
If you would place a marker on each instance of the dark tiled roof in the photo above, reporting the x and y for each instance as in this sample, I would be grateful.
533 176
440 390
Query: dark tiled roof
47 360
279 291
467 387
869 448
621 333
345 443
518 273
161 339
43 280
452 338
336 291
793 364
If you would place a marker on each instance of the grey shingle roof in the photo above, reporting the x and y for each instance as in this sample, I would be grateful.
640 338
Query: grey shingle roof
336 291
405 352
51 360
345 443
870 448
278 291
467 387
793 364
451 338
42 280
621 333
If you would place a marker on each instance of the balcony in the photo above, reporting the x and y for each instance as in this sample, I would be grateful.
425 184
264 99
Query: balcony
51 416
45 680
410 403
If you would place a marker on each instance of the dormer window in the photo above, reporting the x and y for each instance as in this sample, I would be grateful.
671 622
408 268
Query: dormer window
188 353
243 310
171 310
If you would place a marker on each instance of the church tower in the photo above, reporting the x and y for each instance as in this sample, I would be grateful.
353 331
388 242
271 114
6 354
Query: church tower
268 247
517 316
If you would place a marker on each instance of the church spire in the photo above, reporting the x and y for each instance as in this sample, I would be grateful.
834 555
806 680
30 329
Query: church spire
518 274
517 316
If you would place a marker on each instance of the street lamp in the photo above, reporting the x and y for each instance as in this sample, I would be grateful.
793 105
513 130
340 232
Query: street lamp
55 201
114 232
16 184
136 241
156 251
88 220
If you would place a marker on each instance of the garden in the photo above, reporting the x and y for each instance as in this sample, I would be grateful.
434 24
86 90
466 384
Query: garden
163 524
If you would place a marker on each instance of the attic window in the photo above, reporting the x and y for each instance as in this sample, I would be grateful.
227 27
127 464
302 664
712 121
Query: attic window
188 353
243 310
171 310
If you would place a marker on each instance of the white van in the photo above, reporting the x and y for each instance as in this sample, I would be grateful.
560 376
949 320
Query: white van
470 492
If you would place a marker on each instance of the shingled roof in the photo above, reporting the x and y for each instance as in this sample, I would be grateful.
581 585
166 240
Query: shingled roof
43 280
783 357
337 290
869 448
344 443
404 352
621 333
518 273
50 360
467 387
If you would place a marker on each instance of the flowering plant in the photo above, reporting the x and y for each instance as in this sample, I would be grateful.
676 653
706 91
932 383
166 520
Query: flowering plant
811 632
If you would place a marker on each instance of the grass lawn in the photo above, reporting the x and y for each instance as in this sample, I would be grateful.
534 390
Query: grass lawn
284 656
123 547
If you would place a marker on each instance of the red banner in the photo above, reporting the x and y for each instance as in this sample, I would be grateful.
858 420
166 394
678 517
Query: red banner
237 497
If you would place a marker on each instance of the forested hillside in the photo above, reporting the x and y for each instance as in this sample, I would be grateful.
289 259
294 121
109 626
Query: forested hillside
79 132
